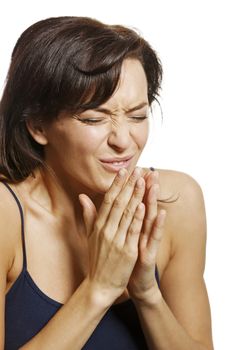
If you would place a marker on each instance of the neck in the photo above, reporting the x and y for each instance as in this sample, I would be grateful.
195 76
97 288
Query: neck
58 196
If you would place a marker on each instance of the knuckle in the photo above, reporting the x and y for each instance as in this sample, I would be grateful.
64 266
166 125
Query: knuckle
107 199
158 239
128 213
131 181
117 181
104 234
139 216
117 246
118 203
131 253
97 227
131 230
134 176
138 192
159 235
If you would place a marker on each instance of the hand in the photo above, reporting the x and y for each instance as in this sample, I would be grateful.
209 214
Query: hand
142 282
113 234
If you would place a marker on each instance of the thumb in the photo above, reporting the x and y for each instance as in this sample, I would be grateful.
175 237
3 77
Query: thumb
89 212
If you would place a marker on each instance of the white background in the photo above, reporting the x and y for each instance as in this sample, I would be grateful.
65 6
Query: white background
194 41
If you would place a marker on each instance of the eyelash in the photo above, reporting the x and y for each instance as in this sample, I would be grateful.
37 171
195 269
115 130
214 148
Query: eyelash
96 121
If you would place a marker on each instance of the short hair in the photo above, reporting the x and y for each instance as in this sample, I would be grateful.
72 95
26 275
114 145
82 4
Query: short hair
63 64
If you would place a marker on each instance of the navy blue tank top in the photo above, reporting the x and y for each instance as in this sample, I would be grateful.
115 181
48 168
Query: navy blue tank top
28 309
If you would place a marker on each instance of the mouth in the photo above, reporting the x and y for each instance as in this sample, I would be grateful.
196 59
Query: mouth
115 164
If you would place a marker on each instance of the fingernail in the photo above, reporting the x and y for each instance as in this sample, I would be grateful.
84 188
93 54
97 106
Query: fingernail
122 172
137 171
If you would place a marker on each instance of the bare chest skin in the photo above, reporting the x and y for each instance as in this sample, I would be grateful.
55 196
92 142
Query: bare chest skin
57 254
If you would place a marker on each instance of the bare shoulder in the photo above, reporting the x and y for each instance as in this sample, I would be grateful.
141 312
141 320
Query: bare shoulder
182 197
176 183
182 281
9 227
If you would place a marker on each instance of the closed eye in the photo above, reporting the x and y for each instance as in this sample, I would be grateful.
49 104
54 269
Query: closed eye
88 120
91 121
138 119
94 121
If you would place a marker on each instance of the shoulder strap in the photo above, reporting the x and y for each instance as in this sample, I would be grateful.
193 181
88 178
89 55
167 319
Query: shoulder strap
22 223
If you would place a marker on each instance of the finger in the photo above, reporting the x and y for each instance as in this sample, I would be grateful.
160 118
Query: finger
110 196
129 212
152 178
125 204
151 209
157 232
89 212
112 210
133 233
146 173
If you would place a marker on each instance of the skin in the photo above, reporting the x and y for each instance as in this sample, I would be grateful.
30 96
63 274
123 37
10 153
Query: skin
117 219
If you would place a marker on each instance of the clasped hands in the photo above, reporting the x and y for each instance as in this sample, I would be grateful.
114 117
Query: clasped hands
124 236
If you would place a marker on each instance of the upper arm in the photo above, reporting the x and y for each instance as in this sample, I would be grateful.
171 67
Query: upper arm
7 229
182 283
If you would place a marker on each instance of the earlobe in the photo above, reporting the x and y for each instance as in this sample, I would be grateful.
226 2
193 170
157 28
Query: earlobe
37 132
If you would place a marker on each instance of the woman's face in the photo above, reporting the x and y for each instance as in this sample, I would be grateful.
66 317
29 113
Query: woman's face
88 150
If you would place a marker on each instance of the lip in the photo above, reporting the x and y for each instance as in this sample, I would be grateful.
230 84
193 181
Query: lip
109 165
116 159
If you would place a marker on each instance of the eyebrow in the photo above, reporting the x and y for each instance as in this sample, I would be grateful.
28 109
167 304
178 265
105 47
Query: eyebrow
135 108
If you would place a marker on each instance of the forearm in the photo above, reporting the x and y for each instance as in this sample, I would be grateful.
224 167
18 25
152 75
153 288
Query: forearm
161 329
73 324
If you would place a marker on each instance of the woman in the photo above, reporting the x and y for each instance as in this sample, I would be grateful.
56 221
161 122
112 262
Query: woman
96 253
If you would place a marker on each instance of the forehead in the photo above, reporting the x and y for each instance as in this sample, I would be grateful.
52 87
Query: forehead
132 87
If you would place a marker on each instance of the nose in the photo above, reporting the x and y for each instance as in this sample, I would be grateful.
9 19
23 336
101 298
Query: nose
119 136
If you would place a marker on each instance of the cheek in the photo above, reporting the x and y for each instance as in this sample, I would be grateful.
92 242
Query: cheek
140 135
89 140
68 144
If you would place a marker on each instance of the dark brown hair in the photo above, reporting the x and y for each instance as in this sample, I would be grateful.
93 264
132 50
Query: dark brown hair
63 64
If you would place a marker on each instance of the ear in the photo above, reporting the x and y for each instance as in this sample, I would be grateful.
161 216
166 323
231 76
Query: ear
37 131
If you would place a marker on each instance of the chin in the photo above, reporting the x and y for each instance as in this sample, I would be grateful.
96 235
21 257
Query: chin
103 182
105 186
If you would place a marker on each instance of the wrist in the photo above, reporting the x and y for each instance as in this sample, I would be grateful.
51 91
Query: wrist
150 298
97 295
